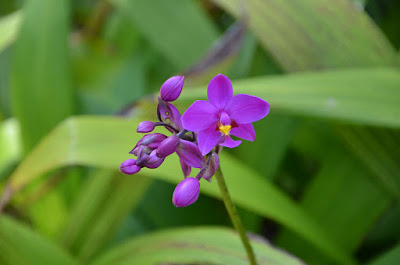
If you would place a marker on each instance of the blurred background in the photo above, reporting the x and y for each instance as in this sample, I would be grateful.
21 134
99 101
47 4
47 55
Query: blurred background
320 183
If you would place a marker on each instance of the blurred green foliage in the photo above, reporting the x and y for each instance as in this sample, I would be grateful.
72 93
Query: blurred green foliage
322 180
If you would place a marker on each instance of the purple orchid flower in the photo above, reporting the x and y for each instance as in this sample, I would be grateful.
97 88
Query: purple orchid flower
204 125
223 115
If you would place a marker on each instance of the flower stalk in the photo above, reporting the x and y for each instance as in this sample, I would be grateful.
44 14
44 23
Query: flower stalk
233 214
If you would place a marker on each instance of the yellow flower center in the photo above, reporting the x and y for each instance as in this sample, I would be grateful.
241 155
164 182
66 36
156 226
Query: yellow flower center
225 129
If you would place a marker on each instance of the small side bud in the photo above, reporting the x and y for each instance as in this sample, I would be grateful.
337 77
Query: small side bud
172 88
129 167
212 166
168 146
145 127
186 193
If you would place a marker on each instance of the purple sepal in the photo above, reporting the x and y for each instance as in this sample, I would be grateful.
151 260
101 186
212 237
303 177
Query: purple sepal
145 127
170 114
168 146
129 167
186 193
186 169
172 88
142 155
212 166
190 154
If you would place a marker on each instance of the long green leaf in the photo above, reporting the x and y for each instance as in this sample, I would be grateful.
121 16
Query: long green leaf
314 34
388 258
105 141
9 26
10 149
378 148
20 245
40 74
193 245
332 199
363 96
178 29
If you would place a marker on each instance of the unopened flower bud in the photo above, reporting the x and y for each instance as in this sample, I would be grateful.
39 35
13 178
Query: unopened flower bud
168 146
129 167
145 127
151 140
186 193
172 88
212 166
153 161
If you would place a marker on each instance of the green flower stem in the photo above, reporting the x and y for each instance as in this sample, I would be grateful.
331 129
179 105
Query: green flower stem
233 214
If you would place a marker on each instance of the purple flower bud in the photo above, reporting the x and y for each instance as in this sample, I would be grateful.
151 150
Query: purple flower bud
150 140
172 88
153 161
129 167
186 193
145 127
213 165
168 146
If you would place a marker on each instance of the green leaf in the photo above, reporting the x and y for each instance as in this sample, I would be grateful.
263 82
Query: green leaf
347 212
379 149
388 258
104 142
346 95
20 245
103 205
10 150
9 26
314 34
193 245
178 29
40 75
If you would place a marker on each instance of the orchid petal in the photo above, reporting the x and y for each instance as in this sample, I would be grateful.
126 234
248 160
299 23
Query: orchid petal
246 108
244 131
208 139
229 142
219 91
225 119
199 116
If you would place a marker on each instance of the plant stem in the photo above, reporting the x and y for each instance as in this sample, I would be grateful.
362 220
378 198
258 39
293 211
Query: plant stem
233 214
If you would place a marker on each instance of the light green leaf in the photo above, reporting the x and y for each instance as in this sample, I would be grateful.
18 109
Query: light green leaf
10 150
105 141
41 87
193 245
180 30
20 245
124 195
314 34
362 96
9 26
